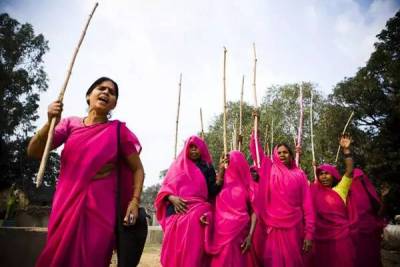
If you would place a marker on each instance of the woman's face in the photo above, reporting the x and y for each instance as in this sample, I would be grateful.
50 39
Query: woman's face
103 98
194 152
284 155
325 178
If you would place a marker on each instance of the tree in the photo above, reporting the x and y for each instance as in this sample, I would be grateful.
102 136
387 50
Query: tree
22 78
280 104
374 94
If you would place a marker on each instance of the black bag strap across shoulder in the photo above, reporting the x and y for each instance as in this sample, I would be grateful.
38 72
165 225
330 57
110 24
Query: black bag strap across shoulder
130 239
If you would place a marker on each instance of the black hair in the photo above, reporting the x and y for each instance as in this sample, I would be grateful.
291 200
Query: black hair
99 81
287 147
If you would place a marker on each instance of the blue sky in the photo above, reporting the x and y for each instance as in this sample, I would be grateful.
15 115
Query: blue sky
144 45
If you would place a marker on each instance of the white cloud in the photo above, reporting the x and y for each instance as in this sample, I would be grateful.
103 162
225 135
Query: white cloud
144 45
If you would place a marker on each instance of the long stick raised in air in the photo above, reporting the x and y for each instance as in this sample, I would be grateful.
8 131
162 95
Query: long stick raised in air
344 130
240 139
50 135
201 124
224 120
255 106
312 135
300 130
177 115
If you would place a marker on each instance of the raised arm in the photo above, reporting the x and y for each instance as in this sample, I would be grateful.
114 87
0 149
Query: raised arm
345 142
343 187
254 142
38 141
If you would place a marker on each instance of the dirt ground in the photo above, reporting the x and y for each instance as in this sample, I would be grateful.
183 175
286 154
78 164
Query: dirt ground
150 257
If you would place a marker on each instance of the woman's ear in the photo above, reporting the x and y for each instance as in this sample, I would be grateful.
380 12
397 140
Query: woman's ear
115 104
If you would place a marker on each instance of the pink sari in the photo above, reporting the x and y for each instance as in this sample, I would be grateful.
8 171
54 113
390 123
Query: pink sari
370 225
285 206
82 221
231 217
333 246
184 235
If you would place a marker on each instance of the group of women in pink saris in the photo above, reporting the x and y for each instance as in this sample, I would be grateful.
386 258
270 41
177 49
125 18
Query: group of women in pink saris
268 214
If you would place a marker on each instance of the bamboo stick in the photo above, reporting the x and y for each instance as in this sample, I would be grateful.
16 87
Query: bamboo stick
256 106
300 130
202 125
232 145
266 140
312 135
240 139
272 138
224 98
234 135
177 115
50 135
344 130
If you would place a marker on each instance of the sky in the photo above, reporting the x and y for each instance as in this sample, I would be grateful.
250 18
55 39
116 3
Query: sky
145 45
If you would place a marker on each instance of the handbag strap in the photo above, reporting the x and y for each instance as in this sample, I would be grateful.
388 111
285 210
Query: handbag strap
118 202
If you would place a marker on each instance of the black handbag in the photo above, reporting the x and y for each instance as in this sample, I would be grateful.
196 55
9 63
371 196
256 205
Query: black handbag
130 239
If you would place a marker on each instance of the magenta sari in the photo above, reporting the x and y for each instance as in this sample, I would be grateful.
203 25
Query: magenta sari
82 221
369 227
184 235
285 206
231 217
333 246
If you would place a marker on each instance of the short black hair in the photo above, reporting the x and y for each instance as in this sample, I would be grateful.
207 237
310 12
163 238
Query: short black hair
99 81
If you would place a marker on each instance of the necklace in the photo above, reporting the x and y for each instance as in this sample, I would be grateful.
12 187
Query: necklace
84 118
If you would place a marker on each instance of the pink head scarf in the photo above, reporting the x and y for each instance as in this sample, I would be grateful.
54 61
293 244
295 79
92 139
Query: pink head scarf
330 169
366 200
184 178
184 235
231 206
281 193
335 218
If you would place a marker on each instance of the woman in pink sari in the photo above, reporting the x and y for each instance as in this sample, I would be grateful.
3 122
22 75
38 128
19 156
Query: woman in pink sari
335 214
81 230
183 208
234 219
284 206
370 225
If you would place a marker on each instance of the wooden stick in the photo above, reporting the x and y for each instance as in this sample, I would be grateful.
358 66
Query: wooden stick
202 126
312 135
300 130
241 117
46 152
177 115
232 145
344 130
234 135
272 138
256 106
224 120
266 139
